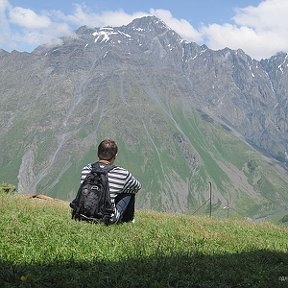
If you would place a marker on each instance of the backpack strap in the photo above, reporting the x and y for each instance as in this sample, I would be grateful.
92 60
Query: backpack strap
101 168
96 167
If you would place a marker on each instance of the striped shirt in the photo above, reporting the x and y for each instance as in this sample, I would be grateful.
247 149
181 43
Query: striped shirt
120 181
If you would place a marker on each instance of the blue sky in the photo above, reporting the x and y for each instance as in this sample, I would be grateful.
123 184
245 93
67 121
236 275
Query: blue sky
259 27
194 11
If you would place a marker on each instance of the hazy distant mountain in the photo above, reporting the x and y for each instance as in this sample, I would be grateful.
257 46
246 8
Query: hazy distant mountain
182 114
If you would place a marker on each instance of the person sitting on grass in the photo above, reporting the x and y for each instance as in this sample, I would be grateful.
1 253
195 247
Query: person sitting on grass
122 184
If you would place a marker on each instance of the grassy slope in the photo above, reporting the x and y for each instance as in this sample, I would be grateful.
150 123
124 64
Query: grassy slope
42 247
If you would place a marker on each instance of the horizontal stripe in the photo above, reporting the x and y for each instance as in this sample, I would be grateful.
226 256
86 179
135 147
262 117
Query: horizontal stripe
120 180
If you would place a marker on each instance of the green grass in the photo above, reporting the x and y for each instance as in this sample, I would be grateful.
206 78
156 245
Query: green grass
40 246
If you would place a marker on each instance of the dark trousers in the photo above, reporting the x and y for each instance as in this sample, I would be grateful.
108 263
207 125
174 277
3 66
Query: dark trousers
125 205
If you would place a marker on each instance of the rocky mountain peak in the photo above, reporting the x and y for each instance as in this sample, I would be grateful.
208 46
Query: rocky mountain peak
84 30
148 23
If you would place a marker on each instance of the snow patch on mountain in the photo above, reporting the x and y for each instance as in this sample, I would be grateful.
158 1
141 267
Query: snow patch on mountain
281 66
104 34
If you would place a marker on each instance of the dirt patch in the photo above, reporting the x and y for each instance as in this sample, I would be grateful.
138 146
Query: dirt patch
41 197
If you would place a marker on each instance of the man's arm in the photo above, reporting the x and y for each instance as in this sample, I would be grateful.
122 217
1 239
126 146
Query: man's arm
132 185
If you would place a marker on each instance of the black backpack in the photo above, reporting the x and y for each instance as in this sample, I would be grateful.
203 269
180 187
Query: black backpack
93 203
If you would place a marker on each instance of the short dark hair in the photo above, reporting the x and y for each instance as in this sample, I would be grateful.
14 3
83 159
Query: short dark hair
107 150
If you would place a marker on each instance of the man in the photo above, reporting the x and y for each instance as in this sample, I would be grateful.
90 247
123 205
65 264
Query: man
122 185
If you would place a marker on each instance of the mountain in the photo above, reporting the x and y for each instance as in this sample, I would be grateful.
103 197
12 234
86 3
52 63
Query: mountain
182 115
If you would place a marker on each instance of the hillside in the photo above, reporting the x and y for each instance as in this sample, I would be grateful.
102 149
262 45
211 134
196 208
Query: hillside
182 114
42 247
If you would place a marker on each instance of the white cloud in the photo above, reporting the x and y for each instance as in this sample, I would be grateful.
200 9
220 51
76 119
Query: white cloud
23 29
260 31
82 16
4 23
268 15
3 5
181 26
27 18
47 36
257 44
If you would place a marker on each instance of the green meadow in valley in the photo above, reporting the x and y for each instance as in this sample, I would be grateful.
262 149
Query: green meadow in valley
40 246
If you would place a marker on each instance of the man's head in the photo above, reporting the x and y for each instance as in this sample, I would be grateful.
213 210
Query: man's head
107 150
